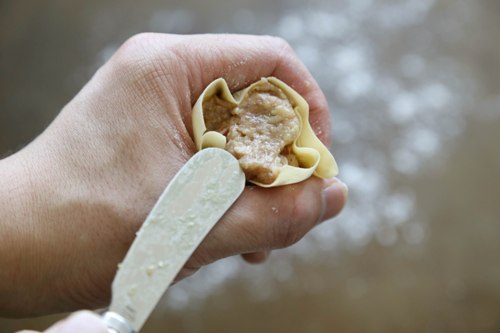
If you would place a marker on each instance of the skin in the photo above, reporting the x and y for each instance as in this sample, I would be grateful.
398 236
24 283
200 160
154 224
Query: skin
79 322
73 199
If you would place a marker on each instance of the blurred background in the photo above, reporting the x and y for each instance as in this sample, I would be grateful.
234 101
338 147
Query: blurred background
414 91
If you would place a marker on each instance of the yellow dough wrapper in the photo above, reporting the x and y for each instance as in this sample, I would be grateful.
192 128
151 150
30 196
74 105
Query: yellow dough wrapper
266 127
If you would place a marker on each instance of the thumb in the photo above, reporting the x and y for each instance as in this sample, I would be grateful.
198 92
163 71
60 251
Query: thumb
79 322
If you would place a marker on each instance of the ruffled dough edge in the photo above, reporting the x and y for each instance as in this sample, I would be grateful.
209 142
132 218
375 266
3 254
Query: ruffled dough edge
311 153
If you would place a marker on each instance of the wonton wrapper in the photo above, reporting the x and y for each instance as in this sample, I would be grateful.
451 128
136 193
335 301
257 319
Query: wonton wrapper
312 155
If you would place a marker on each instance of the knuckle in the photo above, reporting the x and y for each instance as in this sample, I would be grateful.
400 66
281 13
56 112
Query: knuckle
281 50
132 56
138 42
284 48
280 43
302 216
145 68
285 234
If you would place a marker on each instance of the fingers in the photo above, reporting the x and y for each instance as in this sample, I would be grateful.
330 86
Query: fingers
243 59
252 258
79 322
256 257
264 219
184 65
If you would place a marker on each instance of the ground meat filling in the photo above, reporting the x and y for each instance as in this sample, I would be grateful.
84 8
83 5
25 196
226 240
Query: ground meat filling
259 131
217 114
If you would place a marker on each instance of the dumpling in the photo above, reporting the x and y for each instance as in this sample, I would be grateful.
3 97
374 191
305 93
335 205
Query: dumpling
266 127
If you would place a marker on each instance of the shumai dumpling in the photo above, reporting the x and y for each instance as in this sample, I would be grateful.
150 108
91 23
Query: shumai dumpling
266 127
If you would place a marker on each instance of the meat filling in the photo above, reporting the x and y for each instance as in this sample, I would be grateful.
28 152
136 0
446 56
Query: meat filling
259 131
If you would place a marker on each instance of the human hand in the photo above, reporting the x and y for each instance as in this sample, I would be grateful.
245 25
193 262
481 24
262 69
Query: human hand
80 191
78 322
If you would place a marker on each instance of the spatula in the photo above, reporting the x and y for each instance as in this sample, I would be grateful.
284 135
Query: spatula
196 198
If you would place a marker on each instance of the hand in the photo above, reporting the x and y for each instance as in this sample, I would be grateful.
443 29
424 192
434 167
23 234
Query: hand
76 195
79 322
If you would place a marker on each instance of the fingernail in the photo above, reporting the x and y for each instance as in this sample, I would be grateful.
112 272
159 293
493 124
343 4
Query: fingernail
335 195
